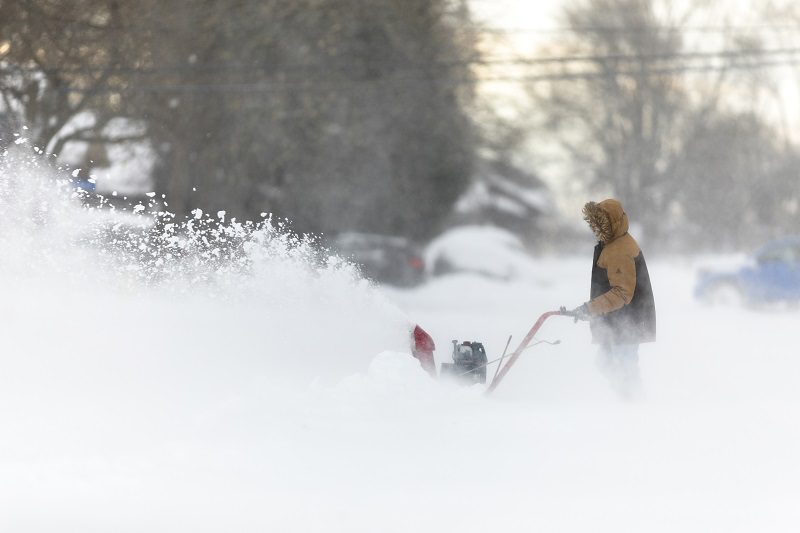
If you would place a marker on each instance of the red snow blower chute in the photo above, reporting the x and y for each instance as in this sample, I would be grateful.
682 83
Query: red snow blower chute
469 357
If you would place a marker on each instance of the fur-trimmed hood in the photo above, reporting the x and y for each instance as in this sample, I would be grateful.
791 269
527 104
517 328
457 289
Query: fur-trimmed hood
607 219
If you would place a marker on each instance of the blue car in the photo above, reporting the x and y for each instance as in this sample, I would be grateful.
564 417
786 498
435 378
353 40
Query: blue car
771 275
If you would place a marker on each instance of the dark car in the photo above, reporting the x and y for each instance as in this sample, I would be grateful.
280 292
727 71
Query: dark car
383 258
772 274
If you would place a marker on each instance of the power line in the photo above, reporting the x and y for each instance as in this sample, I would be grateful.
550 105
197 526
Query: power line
642 29
647 72
326 84
638 58
334 66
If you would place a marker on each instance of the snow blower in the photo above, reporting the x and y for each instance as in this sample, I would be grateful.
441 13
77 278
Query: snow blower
469 357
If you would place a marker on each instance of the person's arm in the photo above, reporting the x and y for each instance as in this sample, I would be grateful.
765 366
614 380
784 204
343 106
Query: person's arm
621 270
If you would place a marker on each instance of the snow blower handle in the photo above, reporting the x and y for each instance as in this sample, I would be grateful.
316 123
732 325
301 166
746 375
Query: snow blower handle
524 344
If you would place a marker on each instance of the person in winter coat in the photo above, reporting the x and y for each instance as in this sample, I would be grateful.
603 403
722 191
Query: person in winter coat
621 310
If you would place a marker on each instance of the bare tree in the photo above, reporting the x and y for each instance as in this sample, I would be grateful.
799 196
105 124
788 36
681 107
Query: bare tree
58 60
619 123
337 114
644 117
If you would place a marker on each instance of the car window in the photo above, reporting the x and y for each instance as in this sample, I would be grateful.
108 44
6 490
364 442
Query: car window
774 255
796 255
788 254
791 254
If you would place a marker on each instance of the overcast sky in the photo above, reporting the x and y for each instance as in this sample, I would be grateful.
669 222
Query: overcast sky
516 13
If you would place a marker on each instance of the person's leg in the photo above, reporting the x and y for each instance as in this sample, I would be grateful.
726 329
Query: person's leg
620 364
631 379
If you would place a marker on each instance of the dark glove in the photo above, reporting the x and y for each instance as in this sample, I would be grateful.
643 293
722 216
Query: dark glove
580 313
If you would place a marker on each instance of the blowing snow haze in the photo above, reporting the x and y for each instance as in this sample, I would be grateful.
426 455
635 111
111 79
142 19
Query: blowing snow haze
183 349
274 390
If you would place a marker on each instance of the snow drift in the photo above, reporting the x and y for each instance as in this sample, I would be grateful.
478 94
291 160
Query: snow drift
218 376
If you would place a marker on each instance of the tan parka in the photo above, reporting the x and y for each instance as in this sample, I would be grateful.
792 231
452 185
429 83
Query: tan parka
622 305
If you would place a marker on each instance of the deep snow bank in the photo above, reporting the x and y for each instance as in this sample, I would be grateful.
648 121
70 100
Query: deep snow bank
172 387
199 285
140 355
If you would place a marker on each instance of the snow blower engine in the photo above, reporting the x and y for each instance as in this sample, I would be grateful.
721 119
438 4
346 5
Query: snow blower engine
469 363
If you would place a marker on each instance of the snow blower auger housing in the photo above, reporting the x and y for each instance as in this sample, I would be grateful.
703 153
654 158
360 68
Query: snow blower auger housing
469 363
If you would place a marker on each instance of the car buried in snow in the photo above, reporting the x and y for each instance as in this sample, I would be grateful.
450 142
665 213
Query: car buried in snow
770 275
486 251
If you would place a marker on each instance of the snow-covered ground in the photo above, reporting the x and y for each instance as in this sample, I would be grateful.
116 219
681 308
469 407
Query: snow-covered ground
285 400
